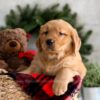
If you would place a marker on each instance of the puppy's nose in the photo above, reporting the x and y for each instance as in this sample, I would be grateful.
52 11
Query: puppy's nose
49 42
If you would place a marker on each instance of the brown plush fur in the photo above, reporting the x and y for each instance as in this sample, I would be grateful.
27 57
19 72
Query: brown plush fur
62 58
12 41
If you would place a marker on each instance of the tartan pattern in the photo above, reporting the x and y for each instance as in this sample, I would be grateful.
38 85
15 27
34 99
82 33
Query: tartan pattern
39 86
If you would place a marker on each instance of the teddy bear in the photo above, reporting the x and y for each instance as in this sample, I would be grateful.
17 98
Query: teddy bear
13 41
13 46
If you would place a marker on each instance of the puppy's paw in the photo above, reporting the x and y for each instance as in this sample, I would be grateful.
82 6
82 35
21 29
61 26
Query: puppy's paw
2 71
59 88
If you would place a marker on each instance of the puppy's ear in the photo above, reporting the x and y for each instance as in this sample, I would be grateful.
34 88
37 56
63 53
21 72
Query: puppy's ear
76 40
38 44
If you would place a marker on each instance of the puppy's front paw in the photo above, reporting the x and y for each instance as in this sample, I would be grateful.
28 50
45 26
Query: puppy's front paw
59 88
2 71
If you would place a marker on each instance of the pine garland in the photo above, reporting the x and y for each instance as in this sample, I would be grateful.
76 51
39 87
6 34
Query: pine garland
31 19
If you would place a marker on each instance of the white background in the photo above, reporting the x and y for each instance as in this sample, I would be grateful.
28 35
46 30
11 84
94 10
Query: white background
88 15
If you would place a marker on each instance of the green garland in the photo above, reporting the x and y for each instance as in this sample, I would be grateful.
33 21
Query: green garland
31 19
92 78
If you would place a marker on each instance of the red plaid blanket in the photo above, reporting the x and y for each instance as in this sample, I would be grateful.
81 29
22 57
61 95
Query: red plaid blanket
39 86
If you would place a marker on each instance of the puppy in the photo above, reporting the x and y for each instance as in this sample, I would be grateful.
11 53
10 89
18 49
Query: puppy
58 54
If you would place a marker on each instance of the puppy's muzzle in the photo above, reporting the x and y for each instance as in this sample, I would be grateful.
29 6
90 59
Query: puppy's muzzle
50 42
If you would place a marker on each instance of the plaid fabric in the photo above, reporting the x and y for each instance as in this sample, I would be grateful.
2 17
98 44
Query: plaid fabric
39 86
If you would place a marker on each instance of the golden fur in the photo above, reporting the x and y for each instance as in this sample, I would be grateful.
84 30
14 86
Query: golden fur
62 59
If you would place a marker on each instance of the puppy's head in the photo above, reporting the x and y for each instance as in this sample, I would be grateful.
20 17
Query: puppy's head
58 36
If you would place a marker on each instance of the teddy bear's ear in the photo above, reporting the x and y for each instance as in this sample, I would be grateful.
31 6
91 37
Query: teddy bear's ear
20 31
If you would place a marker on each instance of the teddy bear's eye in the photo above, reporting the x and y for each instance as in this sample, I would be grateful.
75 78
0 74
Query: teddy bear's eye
61 33
46 32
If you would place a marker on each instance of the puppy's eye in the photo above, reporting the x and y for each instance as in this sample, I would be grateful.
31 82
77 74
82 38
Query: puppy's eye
61 33
46 32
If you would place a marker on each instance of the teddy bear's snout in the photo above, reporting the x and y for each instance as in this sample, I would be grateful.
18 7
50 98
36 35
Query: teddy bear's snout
12 46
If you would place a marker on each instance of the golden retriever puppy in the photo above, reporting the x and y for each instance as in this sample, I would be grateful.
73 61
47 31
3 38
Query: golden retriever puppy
58 54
